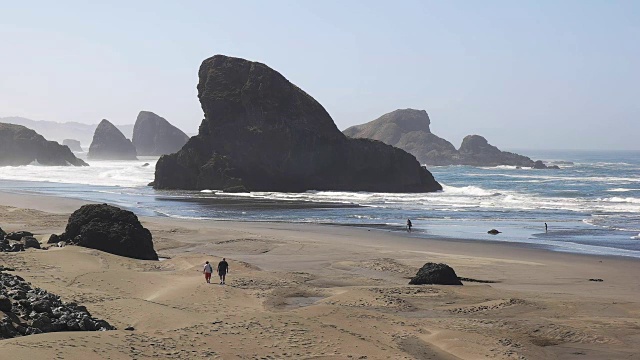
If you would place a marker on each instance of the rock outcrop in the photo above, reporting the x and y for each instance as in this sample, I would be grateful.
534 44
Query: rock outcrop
110 144
476 151
110 229
17 235
540 165
18 241
27 311
29 242
154 136
435 274
409 130
263 133
22 146
73 145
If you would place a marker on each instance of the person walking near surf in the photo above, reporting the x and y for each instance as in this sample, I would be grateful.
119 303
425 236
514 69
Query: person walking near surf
409 225
207 271
223 269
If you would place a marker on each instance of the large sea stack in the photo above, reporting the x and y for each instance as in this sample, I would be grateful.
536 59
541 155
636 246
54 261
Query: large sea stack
262 133
22 146
409 130
110 144
154 136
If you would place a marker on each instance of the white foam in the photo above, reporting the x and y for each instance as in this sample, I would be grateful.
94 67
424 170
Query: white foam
105 173
468 190
509 167
629 200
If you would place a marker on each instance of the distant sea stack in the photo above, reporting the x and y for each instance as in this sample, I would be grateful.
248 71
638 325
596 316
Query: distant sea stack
22 146
110 144
154 136
409 130
57 131
476 151
73 145
262 133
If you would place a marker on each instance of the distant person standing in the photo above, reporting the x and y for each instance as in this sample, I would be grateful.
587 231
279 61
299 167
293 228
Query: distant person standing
208 270
409 225
223 269
546 228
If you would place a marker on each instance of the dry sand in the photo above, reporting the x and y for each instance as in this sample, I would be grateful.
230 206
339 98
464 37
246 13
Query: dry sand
322 292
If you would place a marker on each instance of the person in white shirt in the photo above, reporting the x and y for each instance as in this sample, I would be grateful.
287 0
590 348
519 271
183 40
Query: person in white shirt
207 272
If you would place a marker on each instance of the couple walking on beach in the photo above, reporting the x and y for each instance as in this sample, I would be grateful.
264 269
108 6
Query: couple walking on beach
223 269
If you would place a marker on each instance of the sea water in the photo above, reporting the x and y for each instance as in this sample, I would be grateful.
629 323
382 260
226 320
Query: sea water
591 205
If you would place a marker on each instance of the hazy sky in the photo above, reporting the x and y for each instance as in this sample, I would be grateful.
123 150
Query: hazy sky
525 74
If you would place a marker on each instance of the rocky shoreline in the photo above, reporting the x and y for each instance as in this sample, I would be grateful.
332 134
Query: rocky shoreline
25 310
28 311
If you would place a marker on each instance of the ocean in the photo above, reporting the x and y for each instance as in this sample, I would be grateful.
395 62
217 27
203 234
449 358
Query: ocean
591 205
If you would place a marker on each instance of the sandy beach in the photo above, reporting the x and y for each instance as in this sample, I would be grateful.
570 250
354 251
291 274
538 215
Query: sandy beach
299 291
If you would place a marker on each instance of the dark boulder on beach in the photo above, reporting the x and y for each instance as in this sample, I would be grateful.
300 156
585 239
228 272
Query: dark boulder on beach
264 133
5 304
73 145
16 247
153 135
493 232
110 229
110 144
22 146
409 130
53 239
29 311
17 235
435 274
30 242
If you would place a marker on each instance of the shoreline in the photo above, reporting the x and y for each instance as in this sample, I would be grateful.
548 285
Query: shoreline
61 204
344 287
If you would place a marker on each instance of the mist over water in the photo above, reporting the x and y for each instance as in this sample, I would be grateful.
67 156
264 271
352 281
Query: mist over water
591 206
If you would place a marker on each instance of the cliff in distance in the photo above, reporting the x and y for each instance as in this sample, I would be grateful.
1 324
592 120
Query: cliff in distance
22 146
262 133
153 135
409 130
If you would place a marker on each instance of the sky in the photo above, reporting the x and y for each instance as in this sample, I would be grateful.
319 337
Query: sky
524 74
